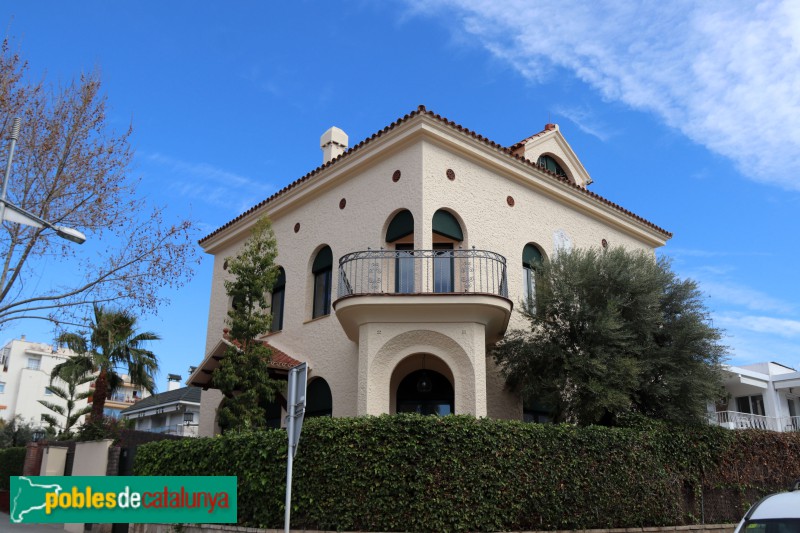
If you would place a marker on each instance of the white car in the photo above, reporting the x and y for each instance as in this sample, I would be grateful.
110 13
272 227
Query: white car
777 513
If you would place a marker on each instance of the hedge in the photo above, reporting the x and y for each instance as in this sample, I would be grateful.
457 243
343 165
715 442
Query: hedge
12 461
458 473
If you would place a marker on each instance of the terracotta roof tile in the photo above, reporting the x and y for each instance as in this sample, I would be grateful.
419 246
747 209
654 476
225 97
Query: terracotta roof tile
421 110
279 358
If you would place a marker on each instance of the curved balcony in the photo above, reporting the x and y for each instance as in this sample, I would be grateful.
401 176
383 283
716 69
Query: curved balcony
391 286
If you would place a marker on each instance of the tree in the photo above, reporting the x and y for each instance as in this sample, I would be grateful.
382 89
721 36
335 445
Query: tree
113 344
243 374
611 333
73 377
71 169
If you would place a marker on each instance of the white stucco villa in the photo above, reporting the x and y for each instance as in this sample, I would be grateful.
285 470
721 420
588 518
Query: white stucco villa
760 396
405 256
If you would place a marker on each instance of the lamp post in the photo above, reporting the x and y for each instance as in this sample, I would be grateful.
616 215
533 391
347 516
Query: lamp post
38 434
12 213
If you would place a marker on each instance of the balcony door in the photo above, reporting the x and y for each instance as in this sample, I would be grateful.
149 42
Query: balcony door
447 233
404 269
443 267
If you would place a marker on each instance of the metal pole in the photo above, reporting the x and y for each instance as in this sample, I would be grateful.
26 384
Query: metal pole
290 455
13 136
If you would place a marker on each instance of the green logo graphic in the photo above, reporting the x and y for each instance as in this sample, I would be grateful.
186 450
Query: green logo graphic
131 499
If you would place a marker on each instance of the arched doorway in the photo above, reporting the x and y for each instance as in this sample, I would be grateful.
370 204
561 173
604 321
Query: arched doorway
426 392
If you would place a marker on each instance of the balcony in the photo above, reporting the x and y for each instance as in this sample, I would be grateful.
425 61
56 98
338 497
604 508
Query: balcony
182 430
737 420
425 286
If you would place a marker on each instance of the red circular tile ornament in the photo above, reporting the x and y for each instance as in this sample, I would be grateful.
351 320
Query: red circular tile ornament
396 176
342 203
450 174
297 227
510 201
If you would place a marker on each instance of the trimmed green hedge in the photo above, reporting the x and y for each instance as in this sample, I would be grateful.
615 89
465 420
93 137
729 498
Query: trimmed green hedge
12 460
458 473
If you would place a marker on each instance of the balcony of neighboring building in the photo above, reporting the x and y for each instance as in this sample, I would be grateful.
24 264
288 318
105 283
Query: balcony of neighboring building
439 285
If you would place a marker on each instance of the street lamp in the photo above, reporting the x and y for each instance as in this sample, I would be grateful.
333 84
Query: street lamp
12 213
38 434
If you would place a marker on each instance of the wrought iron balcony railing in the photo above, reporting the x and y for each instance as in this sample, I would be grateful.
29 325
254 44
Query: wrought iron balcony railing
422 272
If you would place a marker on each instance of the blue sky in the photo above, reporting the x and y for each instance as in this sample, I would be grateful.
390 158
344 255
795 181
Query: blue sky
686 113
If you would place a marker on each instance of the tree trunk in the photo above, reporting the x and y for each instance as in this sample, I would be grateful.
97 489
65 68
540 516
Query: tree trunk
99 396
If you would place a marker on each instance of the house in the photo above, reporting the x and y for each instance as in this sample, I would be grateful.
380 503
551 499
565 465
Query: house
175 412
760 396
404 257
25 380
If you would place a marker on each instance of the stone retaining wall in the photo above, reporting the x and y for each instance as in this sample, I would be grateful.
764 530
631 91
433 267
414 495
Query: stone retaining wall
224 528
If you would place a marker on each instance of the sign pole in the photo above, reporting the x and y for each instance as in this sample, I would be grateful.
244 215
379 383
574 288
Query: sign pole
296 408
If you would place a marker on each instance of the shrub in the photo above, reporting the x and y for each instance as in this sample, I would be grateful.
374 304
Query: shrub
11 462
458 473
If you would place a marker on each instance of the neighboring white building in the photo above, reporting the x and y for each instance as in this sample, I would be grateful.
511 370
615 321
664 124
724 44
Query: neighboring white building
25 379
175 412
403 259
760 396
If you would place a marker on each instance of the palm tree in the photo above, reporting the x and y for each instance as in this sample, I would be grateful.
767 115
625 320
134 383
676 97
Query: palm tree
73 377
113 343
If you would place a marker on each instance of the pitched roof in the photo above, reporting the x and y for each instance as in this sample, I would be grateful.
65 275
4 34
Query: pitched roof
201 377
511 152
184 394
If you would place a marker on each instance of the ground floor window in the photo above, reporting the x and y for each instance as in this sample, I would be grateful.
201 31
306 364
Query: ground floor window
425 392
753 405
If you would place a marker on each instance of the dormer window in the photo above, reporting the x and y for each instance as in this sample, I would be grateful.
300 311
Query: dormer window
551 164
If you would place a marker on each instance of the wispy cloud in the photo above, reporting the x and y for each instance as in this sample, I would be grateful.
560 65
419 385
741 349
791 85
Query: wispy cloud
585 120
210 184
725 74
727 292
760 324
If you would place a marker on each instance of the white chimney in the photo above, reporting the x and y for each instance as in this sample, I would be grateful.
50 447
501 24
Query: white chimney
333 143
173 382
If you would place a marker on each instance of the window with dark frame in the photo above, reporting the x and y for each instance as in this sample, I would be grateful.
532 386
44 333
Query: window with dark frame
322 269
276 305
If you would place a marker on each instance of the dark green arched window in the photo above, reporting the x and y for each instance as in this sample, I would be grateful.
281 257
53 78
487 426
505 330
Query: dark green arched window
445 224
401 225
551 164
321 269
278 293
320 400
531 260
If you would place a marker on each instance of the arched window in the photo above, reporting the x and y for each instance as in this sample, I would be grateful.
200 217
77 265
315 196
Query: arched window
321 269
531 261
320 400
446 232
276 306
549 163
401 233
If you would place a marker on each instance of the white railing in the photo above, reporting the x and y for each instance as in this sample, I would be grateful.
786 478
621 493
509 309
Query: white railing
737 420
175 429
791 423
